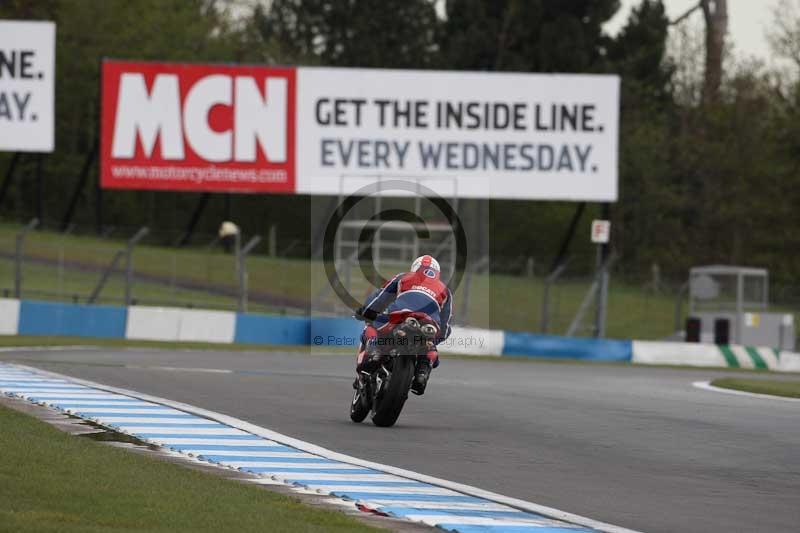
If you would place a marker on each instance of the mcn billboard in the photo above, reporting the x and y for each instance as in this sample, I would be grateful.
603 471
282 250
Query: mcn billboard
198 127
332 131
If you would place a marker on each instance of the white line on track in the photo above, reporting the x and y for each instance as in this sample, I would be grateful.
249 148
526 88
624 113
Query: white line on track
289 478
433 491
309 466
182 369
266 455
90 411
168 441
123 420
433 519
706 385
211 432
335 456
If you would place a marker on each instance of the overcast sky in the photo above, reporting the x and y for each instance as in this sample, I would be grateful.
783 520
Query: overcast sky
748 21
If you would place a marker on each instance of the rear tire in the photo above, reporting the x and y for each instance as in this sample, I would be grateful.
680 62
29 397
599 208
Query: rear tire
359 407
396 392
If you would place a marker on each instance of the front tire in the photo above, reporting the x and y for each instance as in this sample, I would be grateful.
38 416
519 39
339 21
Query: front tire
359 407
396 393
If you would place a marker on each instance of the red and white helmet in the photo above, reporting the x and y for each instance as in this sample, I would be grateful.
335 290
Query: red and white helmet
426 261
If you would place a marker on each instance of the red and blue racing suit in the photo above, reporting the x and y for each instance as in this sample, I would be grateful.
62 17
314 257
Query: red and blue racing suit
420 291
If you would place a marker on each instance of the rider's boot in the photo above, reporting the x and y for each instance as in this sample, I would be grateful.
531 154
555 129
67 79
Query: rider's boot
421 375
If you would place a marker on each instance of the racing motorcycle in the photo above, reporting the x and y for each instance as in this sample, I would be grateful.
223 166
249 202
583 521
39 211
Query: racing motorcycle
384 391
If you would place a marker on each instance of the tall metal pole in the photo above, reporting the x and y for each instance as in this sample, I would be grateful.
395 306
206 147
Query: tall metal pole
20 241
9 175
602 294
602 272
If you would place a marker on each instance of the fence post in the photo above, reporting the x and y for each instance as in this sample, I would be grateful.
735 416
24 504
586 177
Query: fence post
20 241
241 268
133 241
602 303
544 319
273 240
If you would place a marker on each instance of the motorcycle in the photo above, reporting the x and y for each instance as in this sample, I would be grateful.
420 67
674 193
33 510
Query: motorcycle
384 391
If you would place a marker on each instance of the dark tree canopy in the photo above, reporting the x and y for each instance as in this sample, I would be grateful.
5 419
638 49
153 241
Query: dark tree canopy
354 33
525 35
711 181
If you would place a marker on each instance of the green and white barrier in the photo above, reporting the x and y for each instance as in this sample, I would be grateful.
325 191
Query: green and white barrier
714 355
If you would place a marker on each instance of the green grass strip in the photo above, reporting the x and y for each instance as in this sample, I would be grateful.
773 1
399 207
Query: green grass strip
785 388
730 357
52 481
758 361
46 340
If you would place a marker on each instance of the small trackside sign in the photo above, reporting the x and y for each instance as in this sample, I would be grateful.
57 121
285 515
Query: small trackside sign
601 231
27 83
192 127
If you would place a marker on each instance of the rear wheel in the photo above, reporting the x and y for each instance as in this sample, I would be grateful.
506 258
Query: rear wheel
359 408
395 393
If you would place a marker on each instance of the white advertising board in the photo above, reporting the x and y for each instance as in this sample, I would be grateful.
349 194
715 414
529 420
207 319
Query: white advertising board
470 134
27 79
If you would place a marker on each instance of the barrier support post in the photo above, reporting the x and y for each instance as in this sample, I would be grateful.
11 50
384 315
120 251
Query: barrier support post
20 241
132 242
548 282
241 268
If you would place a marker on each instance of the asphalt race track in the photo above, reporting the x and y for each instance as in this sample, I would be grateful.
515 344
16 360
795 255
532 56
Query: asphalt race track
636 447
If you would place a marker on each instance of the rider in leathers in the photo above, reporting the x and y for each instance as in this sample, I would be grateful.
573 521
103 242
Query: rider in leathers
419 290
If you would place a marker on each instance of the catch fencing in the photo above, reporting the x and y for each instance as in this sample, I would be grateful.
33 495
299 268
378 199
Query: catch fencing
136 267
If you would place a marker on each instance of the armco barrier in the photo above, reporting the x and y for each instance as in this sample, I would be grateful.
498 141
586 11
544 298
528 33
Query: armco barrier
473 341
173 324
9 316
531 345
75 320
262 329
331 331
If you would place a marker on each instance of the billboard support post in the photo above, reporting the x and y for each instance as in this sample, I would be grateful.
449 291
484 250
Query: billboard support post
39 187
241 267
9 175
20 241
76 193
196 214
132 242
567 239
98 208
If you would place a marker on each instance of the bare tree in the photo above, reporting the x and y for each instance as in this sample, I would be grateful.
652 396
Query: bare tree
715 13
784 37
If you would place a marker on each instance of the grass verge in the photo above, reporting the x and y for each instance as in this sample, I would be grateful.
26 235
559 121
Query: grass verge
785 388
37 341
51 481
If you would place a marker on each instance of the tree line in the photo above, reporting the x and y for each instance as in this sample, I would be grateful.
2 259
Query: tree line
709 144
